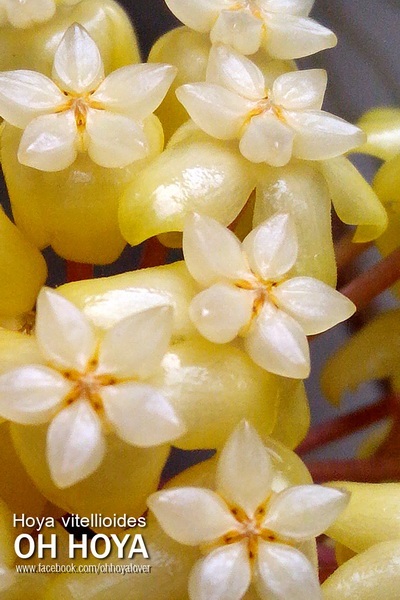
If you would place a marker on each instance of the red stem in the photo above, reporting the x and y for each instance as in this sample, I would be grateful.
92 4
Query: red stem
153 255
344 425
78 271
373 282
371 470
327 561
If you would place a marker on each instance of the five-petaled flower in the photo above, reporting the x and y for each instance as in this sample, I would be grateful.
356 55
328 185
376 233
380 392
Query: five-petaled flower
272 125
81 110
282 27
87 387
23 14
248 532
250 292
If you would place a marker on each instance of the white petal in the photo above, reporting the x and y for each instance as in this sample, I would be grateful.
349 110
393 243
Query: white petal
49 143
267 139
114 140
320 135
313 304
301 8
291 37
27 13
64 335
244 472
25 95
235 72
220 312
77 63
278 344
217 111
135 346
75 444
191 515
239 29
211 251
141 415
136 90
305 511
30 394
272 247
224 574
284 573
197 14
300 89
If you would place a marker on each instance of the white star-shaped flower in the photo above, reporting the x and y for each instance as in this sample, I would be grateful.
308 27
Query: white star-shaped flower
272 125
249 533
25 13
282 27
87 387
81 110
250 293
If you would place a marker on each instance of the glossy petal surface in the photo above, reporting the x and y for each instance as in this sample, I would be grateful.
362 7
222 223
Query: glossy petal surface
191 515
64 335
216 110
134 346
211 251
25 95
220 312
141 415
272 247
49 143
278 344
29 395
244 472
114 141
284 572
75 444
222 575
313 304
305 511
78 66
266 139
149 83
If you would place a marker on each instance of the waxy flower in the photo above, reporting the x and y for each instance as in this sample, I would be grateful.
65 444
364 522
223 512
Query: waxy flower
25 13
250 293
249 533
86 387
272 125
80 110
280 26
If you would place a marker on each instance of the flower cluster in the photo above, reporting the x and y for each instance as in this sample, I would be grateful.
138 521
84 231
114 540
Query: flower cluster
206 353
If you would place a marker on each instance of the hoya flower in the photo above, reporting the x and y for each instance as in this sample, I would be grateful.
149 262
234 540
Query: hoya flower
85 387
282 27
25 13
272 125
80 110
249 292
248 533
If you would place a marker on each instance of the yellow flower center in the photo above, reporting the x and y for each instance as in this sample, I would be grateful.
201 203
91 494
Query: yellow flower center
249 529
87 385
